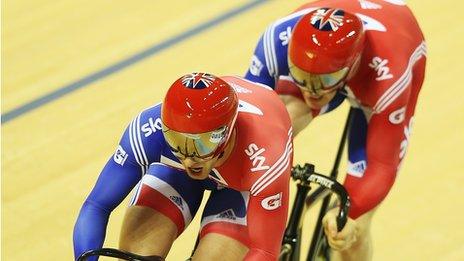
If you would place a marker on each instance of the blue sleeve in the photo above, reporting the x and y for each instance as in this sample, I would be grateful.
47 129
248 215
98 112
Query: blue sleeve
141 145
269 60
113 185
258 70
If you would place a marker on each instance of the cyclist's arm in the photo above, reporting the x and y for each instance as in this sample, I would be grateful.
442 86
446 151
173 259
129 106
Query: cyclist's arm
139 146
383 145
388 131
113 185
266 219
299 113
269 59
258 71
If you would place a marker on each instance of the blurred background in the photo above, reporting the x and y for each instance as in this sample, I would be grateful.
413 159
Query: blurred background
74 74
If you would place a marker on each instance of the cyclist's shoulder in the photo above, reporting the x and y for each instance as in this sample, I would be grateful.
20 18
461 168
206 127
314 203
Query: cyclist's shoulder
384 78
144 137
148 121
265 149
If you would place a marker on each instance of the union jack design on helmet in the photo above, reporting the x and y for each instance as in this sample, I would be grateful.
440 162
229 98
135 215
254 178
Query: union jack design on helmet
197 80
326 40
327 19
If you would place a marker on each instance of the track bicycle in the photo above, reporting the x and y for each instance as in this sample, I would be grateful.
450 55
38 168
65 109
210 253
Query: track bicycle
319 248
305 176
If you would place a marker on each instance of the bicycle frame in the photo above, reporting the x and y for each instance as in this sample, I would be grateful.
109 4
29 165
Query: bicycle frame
304 176
292 237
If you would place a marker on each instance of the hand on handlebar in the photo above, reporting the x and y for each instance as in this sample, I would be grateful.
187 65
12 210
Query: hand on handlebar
339 240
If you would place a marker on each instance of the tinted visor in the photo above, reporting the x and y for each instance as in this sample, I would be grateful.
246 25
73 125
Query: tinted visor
318 84
198 145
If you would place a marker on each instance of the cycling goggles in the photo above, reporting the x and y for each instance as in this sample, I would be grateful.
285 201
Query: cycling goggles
204 146
318 84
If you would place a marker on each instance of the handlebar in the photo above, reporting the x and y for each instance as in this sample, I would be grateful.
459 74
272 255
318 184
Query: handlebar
111 252
307 175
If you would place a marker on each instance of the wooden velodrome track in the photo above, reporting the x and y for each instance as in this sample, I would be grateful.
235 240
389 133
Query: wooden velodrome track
75 73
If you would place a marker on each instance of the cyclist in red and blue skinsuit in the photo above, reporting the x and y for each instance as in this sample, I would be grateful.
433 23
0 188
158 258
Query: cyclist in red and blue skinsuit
249 190
319 56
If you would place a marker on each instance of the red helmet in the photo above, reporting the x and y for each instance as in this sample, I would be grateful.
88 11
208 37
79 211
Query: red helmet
198 115
326 40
